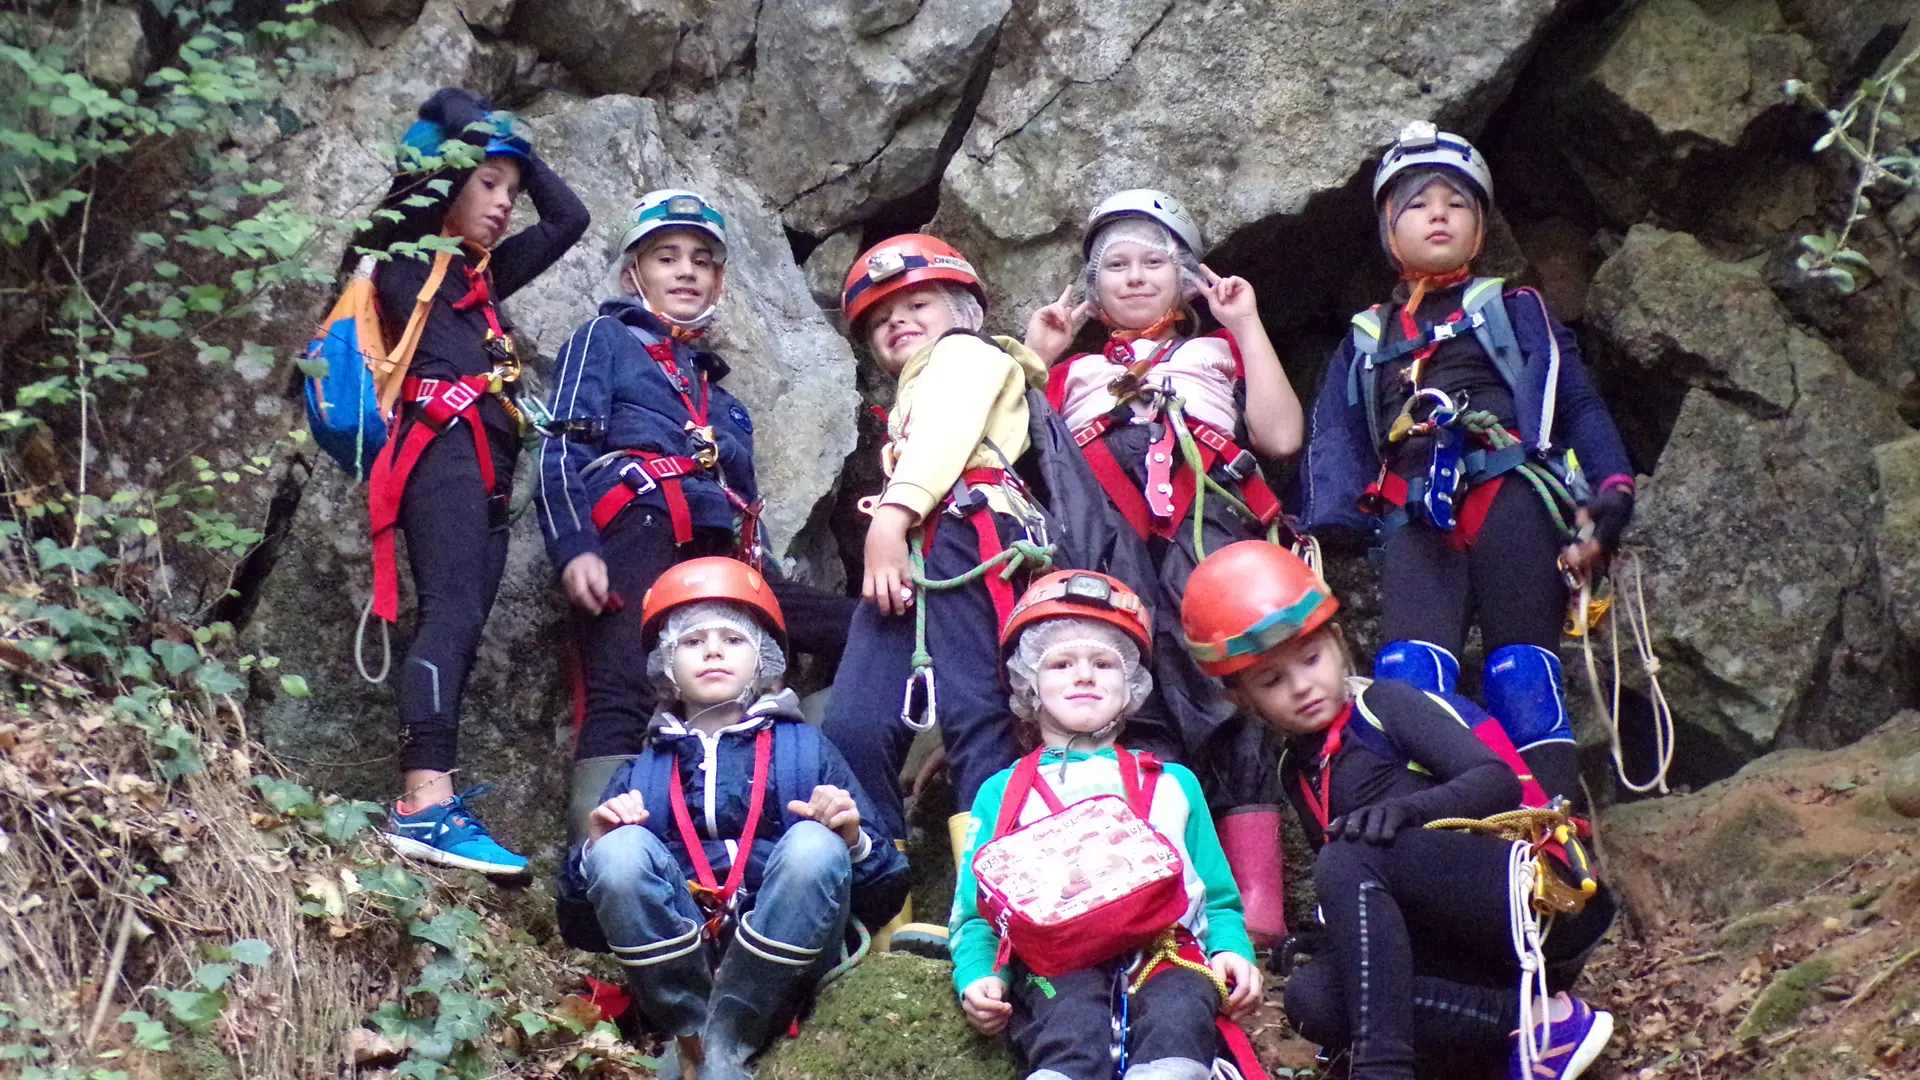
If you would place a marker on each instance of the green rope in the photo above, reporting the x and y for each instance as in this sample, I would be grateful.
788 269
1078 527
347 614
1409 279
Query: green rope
1552 492
1175 413
852 960
1019 555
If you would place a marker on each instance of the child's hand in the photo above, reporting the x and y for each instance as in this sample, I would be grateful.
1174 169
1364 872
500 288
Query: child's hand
1231 299
1051 329
985 1004
628 808
1241 977
834 808
889 580
585 582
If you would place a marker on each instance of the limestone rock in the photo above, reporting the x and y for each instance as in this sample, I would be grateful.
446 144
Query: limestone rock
1672 91
1242 112
860 107
490 15
116 47
1754 525
827 265
1680 313
630 46
1903 786
1897 543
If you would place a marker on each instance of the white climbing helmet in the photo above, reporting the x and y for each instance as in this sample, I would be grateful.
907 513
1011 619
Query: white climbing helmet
673 208
1422 145
1147 203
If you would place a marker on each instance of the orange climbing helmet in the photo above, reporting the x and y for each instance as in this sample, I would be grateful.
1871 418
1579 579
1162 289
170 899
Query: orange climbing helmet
899 262
1080 594
1248 598
715 577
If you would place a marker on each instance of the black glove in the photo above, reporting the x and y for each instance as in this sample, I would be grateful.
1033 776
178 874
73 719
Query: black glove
454 109
1375 824
1296 948
1611 512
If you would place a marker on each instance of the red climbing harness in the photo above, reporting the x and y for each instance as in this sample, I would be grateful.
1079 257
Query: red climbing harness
440 403
715 898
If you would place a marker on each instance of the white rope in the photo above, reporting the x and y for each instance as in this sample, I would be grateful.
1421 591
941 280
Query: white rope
1634 606
1308 548
359 643
1528 938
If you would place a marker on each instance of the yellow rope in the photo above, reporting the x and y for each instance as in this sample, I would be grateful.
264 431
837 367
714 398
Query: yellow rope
1167 947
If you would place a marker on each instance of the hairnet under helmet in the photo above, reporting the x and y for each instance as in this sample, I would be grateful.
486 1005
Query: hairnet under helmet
711 615
1023 666
1412 182
1148 234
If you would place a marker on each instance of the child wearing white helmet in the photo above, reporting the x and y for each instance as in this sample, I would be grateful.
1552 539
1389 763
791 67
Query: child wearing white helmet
1171 422
649 462
1458 426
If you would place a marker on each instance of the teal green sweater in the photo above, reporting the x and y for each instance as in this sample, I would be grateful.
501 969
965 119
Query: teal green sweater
1179 811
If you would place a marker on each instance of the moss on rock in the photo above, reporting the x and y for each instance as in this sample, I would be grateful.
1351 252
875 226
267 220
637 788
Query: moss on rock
892 1016
1786 997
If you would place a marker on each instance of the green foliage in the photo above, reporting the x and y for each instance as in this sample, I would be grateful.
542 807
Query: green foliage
335 820
1870 131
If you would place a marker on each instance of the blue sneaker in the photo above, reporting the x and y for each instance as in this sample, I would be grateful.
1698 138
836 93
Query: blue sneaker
449 834
1573 1044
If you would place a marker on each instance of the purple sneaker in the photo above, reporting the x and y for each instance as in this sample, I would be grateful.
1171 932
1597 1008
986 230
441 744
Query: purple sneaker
1574 1044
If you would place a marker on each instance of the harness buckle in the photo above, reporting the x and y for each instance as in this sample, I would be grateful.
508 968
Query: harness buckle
634 474
706 450
1242 466
923 676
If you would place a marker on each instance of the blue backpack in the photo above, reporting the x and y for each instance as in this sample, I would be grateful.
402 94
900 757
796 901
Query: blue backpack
353 379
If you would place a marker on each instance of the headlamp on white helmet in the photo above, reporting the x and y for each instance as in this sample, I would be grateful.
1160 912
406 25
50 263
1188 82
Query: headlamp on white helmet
1423 146
656 212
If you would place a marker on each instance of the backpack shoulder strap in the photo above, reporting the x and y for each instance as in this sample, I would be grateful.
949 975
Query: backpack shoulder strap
1369 730
1486 297
1139 776
392 371
1362 388
796 766
1026 773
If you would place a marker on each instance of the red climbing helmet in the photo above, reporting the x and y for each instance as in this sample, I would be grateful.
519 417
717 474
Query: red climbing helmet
1249 598
900 262
1080 594
715 577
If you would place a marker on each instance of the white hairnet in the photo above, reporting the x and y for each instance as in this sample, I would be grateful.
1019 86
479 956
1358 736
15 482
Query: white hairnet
712 615
1148 233
1023 667
967 312
1413 182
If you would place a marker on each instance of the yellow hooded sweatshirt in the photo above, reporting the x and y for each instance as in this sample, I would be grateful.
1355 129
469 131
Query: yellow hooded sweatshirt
955 397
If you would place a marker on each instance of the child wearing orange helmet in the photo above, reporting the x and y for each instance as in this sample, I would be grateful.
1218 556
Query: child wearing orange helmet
958 423
1076 649
1418 921
776 845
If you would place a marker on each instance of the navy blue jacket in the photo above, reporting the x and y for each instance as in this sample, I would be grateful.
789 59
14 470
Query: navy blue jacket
880 876
1555 400
613 396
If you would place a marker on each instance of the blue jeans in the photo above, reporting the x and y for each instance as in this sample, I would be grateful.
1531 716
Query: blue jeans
639 893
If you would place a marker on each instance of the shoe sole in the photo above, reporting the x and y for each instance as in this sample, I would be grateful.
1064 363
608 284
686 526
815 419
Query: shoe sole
414 849
1589 1049
925 940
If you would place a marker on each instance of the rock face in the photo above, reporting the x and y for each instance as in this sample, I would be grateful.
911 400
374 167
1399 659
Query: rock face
1755 531
1242 112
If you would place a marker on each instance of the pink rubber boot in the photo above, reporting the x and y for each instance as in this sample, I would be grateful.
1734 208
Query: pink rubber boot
1251 837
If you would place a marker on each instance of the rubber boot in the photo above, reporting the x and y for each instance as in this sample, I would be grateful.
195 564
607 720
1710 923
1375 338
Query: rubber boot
1250 835
957 836
883 937
585 785
759 983
672 994
929 940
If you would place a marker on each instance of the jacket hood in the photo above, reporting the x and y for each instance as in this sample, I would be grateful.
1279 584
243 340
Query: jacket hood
781 707
630 310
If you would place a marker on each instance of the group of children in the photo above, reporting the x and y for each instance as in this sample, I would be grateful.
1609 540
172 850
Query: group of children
726 847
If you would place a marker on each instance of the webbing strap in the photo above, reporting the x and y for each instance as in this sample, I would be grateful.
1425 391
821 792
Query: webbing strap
1139 777
640 475
715 897
440 403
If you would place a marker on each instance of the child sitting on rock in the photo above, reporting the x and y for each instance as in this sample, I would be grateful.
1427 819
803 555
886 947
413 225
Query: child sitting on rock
737 839
1075 652
1420 922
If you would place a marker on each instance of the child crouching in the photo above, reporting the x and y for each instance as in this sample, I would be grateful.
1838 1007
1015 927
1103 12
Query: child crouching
1074 650
761 878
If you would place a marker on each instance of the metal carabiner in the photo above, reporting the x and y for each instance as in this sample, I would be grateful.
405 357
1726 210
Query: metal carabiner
924 676
1441 414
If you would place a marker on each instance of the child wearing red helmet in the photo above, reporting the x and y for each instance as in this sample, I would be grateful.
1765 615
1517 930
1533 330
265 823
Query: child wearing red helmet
958 423
1076 648
1418 921
737 816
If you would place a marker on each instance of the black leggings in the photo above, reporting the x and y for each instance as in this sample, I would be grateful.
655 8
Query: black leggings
1433 903
456 550
638 547
1509 578
1065 1023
